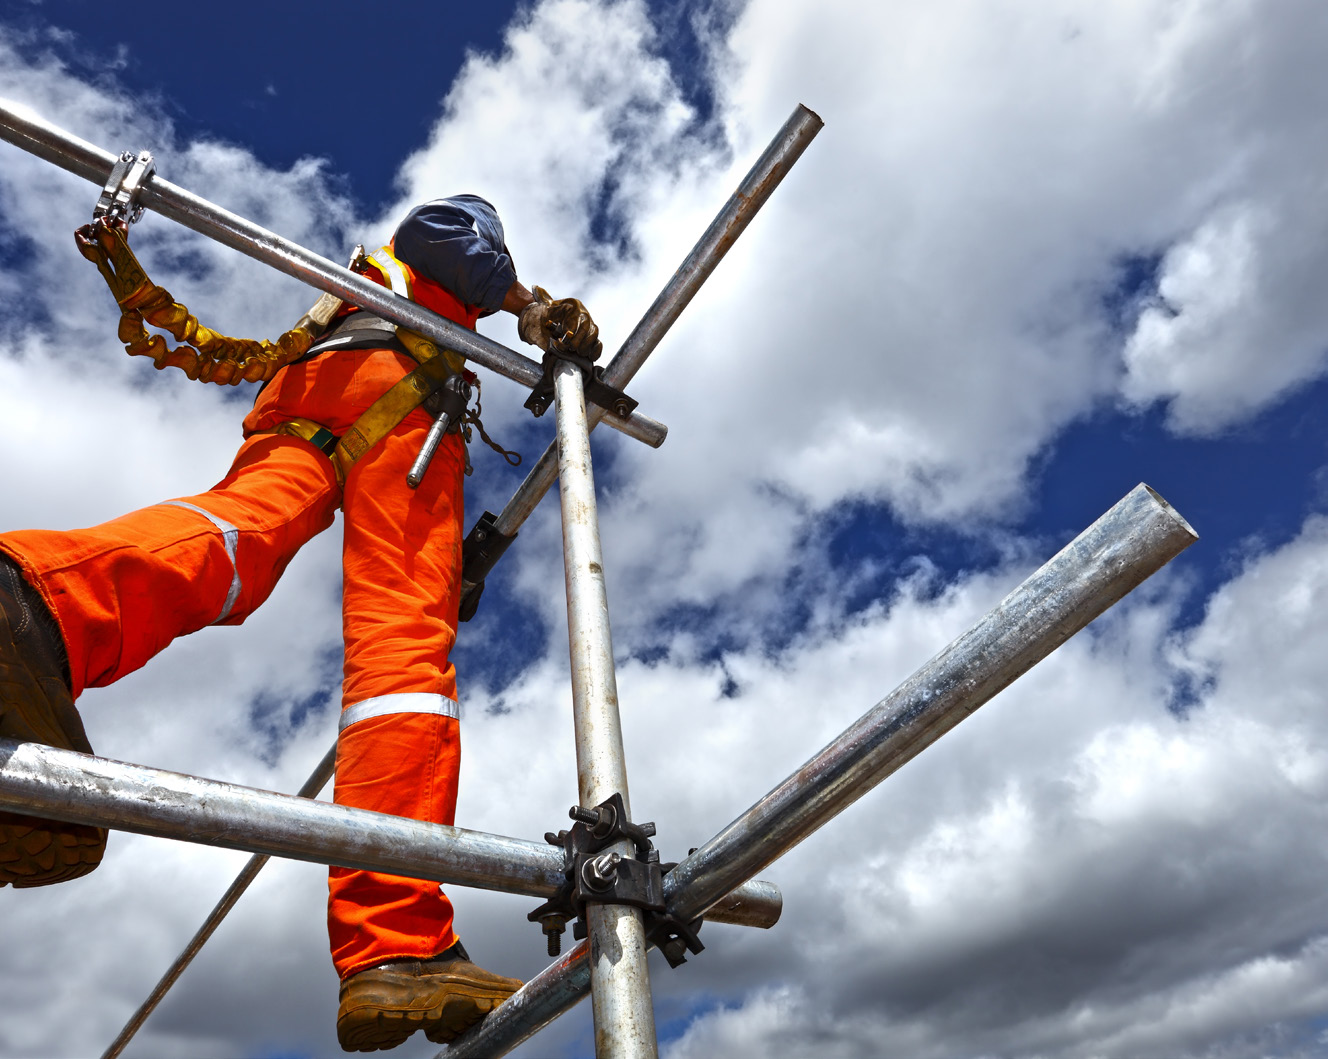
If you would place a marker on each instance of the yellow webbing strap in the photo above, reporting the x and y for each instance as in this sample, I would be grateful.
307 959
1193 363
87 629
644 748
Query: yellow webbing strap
208 355
385 413
377 421
314 433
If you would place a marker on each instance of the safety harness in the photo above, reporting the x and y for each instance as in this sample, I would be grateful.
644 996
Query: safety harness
213 357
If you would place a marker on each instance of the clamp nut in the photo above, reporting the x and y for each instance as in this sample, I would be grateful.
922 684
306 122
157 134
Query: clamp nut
600 873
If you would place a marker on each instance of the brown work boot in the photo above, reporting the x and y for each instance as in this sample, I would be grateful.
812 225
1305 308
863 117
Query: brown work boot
35 706
383 1005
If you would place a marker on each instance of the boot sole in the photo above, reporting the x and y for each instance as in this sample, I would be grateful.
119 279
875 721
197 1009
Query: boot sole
37 708
35 852
383 1013
443 1023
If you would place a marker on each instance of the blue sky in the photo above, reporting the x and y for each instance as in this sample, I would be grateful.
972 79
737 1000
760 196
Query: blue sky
1041 252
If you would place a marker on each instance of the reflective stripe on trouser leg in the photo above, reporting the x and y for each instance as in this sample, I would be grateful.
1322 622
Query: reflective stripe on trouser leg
230 537
400 594
124 589
407 702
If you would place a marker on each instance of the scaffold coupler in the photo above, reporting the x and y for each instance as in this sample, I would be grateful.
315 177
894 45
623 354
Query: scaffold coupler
593 873
597 391
119 198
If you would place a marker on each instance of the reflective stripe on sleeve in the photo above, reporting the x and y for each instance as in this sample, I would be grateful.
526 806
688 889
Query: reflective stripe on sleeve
230 537
407 702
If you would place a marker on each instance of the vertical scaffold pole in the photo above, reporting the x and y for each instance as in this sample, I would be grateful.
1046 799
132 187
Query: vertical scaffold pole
619 978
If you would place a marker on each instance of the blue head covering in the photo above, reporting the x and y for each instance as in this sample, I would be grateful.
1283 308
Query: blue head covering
487 222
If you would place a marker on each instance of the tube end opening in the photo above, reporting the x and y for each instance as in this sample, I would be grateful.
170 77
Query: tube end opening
1162 502
804 109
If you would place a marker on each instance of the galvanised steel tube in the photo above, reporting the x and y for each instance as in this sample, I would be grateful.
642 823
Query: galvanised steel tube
43 781
1128 544
620 978
562 985
312 786
756 187
25 129
557 988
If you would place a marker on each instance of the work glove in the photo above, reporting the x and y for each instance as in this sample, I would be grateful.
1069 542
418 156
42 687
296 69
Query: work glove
563 326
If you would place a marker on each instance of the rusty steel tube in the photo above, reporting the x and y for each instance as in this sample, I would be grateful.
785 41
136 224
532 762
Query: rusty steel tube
24 129
1127 545
756 188
312 787
620 977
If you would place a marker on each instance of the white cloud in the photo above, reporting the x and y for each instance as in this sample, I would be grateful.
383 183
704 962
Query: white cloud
913 317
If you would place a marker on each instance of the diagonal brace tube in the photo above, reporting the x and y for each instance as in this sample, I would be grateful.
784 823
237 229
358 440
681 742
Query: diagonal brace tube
756 188
312 787
1127 545
24 129
731 221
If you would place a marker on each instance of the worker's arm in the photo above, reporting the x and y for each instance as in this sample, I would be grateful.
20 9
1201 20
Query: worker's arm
517 298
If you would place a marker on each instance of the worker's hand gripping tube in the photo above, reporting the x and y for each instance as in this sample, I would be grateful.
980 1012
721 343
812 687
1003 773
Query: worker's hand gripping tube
453 396
564 326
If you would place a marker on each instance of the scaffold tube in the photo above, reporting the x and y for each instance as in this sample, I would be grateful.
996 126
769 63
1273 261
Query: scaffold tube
620 977
1127 545
25 129
312 787
82 789
731 221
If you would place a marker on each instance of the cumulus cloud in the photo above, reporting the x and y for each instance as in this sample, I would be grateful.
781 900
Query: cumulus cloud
1108 859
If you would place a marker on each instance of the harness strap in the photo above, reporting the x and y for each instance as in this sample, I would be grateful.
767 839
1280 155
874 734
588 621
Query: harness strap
382 417
398 278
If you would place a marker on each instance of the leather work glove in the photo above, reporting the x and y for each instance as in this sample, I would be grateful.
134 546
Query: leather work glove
563 326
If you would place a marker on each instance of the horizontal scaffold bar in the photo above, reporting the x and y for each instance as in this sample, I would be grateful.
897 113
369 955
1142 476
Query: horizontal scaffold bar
24 129
79 788
1127 545
313 786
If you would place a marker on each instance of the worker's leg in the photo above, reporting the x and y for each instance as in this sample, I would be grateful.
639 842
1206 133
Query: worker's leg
399 749
119 592
123 590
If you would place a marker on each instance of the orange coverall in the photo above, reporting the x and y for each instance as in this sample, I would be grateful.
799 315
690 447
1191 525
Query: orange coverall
123 590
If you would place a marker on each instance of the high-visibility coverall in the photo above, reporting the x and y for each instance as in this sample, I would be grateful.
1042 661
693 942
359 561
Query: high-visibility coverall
123 590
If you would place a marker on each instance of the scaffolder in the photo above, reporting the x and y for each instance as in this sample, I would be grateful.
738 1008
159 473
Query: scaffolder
603 872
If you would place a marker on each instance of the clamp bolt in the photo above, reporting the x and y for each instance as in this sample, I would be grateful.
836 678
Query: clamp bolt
553 927
602 819
600 872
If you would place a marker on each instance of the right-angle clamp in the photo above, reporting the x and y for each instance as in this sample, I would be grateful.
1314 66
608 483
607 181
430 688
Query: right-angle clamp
594 873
